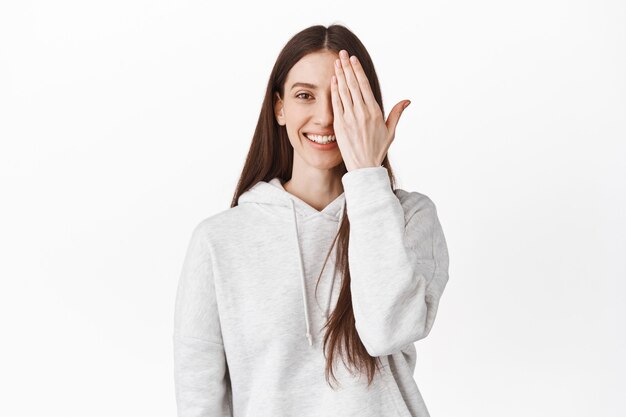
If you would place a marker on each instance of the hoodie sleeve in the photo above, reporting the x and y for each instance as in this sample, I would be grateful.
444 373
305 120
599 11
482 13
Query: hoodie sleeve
200 369
398 262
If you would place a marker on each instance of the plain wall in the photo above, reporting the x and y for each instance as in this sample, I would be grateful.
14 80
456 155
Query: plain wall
125 123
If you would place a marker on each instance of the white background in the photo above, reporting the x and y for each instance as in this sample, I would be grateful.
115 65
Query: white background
125 123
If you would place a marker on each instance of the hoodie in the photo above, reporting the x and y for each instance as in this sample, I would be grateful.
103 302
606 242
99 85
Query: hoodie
248 322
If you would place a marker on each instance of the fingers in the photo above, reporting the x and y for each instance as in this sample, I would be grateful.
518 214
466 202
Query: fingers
351 91
394 117
342 88
366 89
335 99
351 80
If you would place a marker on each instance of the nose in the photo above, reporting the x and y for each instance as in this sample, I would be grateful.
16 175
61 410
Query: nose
324 112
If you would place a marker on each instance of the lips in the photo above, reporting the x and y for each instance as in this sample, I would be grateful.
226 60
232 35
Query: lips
320 134
327 143
311 136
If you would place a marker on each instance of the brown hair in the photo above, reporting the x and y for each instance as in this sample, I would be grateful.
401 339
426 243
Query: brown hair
271 155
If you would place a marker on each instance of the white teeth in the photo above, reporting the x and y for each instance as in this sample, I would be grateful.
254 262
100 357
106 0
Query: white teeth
321 139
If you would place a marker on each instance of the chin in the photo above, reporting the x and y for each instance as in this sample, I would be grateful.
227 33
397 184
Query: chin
324 163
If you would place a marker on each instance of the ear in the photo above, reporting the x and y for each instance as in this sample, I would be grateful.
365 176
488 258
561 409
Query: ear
279 112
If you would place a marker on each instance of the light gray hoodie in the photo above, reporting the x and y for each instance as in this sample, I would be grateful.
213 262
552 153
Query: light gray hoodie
248 323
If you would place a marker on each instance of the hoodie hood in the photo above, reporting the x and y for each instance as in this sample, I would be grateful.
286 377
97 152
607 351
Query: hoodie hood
273 195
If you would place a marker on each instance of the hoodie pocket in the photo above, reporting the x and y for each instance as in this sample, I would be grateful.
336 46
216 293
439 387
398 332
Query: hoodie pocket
394 393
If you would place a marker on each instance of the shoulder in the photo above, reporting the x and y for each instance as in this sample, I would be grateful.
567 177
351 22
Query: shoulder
414 202
224 226
216 221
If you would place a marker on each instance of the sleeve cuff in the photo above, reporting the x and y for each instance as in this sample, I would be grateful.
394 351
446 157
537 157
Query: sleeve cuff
365 186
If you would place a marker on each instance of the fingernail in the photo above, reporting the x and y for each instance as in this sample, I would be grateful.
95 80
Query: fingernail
406 105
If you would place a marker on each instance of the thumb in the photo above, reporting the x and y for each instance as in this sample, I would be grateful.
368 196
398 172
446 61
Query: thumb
394 116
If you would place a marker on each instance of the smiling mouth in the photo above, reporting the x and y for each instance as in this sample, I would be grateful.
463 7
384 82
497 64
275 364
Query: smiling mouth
322 140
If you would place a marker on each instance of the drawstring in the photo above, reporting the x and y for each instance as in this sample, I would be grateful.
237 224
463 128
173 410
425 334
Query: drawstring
302 278
302 282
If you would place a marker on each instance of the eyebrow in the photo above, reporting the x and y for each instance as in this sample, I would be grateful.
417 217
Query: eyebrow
307 85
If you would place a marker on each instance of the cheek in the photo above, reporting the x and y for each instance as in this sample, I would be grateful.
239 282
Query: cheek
295 134
296 120
297 113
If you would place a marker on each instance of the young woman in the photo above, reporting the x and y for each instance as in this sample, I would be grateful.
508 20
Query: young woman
315 212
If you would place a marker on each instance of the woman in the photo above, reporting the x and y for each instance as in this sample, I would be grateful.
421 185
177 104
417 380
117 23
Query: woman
315 200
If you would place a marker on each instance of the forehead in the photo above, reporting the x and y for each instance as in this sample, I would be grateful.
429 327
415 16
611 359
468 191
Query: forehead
315 68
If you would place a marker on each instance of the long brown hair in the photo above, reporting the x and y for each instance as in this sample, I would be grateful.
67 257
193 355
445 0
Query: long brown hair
271 155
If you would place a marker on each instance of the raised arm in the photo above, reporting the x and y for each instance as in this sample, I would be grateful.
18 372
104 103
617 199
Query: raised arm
398 264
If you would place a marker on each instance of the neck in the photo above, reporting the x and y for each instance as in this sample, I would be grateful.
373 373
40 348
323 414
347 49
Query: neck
316 187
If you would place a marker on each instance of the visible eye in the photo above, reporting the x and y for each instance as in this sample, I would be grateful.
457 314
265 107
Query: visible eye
306 94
